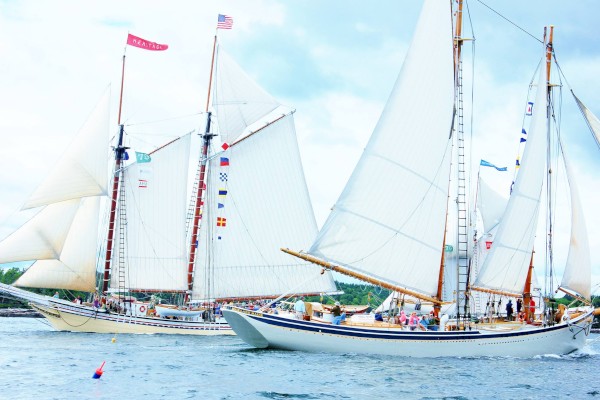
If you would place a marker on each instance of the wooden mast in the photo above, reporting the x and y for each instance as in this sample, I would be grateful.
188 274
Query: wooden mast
457 47
119 156
207 137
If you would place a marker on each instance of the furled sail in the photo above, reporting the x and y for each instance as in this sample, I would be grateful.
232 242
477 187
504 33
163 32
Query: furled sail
62 240
505 268
389 221
82 171
578 269
238 100
256 202
590 118
155 221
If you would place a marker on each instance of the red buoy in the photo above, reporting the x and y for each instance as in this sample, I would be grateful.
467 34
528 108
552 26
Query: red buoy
99 371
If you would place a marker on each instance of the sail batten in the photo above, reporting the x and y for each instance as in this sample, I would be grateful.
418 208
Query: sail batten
389 220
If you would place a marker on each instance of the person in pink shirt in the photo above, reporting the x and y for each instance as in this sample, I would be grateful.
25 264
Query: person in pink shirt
403 318
413 321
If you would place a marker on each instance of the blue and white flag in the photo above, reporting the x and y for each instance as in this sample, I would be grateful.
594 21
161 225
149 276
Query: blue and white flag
489 164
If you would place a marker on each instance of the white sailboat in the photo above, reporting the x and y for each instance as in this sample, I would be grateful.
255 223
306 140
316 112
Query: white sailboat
388 226
249 189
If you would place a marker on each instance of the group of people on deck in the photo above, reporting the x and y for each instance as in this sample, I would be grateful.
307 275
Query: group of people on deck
423 322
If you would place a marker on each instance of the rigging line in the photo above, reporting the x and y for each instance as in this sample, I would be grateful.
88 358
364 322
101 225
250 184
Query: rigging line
511 22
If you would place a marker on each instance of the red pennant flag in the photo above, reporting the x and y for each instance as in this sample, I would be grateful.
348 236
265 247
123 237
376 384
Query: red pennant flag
145 44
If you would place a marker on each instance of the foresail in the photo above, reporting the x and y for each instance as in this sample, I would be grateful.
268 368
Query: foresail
389 221
590 118
505 268
82 170
578 269
238 101
257 202
155 221
63 237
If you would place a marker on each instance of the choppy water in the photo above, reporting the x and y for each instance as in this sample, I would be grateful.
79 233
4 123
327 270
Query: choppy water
37 362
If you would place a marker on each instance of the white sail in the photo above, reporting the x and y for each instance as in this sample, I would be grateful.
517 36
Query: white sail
491 205
238 100
155 217
266 206
590 118
505 268
389 220
578 269
63 237
82 169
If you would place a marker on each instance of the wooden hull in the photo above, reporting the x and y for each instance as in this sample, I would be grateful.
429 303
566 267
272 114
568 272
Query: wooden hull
264 330
78 318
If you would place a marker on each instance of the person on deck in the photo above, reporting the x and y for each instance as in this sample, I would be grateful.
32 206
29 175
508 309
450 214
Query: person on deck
300 308
413 321
403 318
56 296
531 315
509 310
519 306
424 322
338 316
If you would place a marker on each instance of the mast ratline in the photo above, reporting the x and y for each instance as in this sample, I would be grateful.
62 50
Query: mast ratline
201 178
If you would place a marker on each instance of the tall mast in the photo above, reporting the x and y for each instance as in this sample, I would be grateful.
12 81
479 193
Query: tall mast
549 264
207 137
119 156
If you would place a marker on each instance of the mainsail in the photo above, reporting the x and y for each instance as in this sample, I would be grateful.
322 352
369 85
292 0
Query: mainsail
154 215
505 268
389 221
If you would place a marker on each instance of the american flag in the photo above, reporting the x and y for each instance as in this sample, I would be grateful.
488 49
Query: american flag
224 22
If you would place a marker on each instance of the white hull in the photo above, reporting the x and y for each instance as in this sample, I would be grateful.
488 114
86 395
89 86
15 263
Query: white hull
78 318
271 331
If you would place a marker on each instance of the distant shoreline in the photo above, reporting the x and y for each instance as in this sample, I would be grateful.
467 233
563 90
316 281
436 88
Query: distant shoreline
20 312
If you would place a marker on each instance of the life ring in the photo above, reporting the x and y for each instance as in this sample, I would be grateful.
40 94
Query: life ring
142 308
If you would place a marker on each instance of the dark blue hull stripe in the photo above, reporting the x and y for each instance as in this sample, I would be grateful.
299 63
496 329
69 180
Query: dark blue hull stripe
392 335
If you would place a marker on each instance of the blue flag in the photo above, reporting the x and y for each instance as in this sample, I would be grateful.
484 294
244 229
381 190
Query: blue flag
489 164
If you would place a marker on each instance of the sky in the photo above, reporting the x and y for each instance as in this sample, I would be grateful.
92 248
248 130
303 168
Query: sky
335 62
